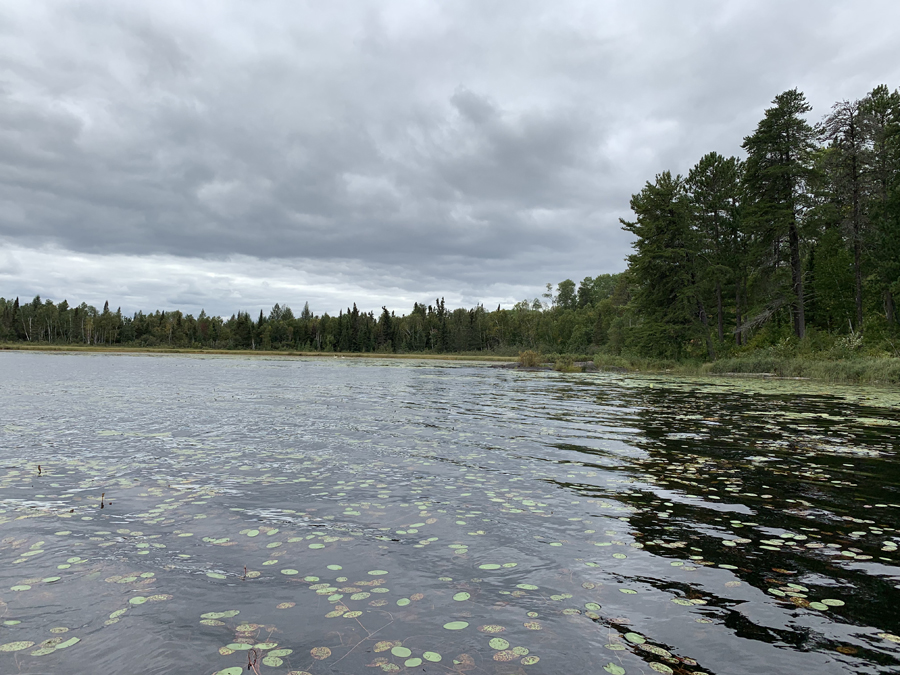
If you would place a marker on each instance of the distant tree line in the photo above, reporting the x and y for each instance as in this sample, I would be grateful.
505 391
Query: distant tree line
799 242
575 320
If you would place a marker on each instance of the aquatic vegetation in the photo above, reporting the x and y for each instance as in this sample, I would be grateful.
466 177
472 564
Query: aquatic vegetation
499 517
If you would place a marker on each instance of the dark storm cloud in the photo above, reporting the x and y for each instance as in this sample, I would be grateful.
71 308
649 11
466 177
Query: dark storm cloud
474 145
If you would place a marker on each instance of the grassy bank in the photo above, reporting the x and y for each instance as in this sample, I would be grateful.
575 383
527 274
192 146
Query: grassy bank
763 363
856 370
108 349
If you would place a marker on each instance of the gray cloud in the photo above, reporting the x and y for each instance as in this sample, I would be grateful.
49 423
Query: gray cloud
475 149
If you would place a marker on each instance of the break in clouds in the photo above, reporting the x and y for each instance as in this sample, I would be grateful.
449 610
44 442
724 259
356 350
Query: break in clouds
230 156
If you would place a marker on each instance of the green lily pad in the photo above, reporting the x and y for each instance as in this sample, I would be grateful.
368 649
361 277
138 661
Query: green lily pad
401 652
412 663
16 646
499 643
434 657
459 597
456 625
613 669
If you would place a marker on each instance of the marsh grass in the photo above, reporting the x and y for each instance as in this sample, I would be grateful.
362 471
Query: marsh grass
837 364
858 370
566 364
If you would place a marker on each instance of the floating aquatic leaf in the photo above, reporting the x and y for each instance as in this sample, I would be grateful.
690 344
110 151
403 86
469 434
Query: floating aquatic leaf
459 597
831 602
456 625
376 573
273 661
412 663
635 638
320 653
15 646
613 669
661 668
489 566
234 670
137 600
239 646
499 643
434 657
530 660
533 625
491 628
68 643
527 587
401 652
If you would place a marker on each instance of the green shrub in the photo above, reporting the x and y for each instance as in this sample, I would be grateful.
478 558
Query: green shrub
566 364
529 359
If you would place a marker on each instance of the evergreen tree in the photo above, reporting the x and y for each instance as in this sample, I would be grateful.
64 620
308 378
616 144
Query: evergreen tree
778 170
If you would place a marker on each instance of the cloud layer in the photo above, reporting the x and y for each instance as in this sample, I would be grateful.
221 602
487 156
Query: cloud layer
385 149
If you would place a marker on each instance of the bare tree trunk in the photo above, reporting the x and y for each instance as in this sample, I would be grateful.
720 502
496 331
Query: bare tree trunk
797 278
719 313
705 321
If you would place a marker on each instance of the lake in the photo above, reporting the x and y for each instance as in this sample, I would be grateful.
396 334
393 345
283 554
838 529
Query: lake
339 515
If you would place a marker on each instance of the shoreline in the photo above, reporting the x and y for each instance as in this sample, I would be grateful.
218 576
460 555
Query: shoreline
101 349
879 371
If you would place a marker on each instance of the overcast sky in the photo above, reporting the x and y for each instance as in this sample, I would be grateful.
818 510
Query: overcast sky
230 155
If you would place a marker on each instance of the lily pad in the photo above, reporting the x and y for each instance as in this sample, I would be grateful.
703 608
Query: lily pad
16 646
456 625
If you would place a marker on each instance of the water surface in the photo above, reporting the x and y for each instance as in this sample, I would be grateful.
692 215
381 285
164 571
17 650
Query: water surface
364 516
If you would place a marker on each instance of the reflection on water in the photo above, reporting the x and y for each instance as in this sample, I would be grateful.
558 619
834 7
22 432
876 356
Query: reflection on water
324 516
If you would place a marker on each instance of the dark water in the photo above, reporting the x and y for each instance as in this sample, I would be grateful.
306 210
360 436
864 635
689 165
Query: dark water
351 516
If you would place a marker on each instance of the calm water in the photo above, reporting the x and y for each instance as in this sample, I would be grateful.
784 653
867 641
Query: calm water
362 516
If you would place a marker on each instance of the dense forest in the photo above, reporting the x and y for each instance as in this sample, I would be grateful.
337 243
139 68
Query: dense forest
797 243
